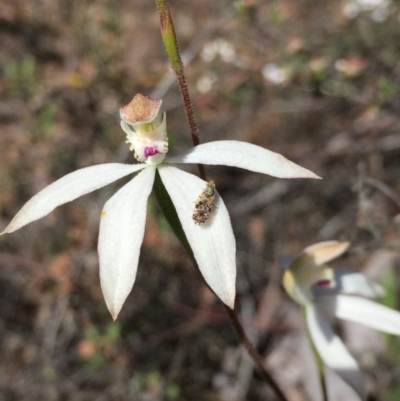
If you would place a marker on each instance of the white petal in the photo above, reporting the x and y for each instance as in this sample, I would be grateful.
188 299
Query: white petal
243 155
364 311
213 242
332 350
121 235
353 283
68 188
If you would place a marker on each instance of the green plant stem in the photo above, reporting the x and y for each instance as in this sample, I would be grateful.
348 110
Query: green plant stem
171 45
323 385
321 374
319 362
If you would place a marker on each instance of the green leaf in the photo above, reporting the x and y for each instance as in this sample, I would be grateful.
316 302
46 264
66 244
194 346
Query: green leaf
169 37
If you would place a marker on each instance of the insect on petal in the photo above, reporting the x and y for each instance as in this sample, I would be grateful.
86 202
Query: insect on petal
213 242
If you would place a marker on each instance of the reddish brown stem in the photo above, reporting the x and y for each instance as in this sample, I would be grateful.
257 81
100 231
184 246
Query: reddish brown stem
188 107
171 45
254 355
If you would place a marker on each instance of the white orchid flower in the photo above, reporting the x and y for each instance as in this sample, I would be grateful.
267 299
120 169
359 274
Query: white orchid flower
123 217
325 293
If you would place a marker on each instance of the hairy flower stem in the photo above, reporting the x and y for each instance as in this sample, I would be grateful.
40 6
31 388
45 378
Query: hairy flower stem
171 45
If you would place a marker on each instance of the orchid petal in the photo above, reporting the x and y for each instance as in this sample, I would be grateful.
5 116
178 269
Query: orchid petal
353 283
364 311
68 188
332 350
308 271
243 155
325 251
299 280
121 235
213 242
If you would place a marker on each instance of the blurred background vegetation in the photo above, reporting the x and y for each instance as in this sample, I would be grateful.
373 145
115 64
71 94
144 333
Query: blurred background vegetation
315 81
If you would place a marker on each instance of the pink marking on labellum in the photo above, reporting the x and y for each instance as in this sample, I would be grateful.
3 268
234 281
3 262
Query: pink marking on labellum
150 151
324 283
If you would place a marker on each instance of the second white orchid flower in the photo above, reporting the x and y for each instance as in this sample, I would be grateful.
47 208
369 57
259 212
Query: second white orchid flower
123 217
325 293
